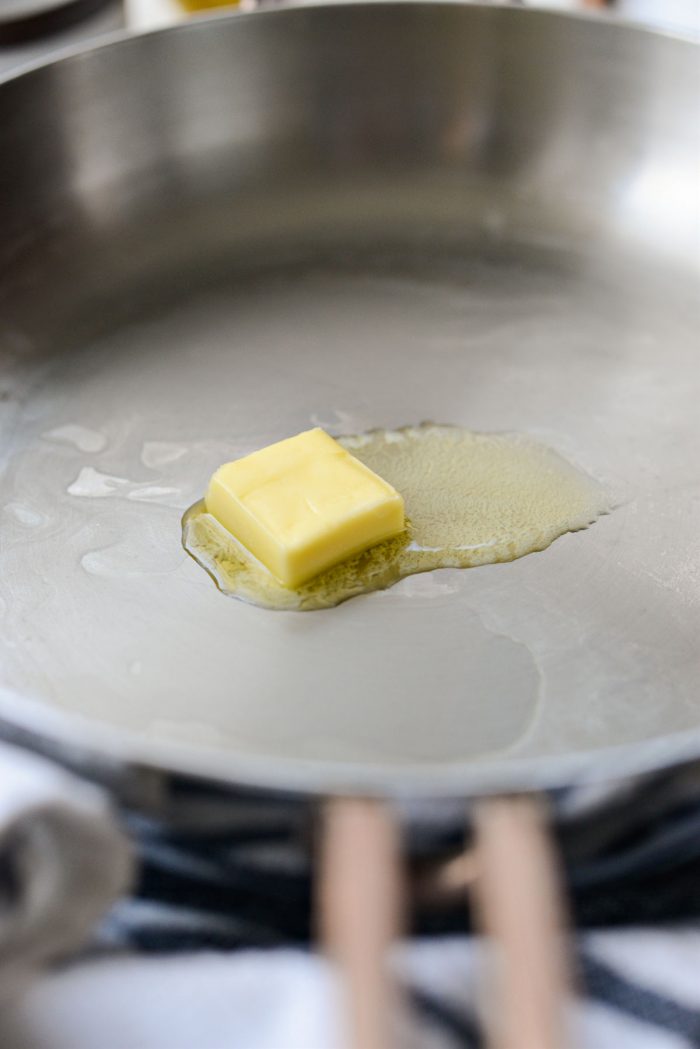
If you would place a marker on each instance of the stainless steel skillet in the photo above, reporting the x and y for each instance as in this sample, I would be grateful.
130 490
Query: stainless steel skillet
358 215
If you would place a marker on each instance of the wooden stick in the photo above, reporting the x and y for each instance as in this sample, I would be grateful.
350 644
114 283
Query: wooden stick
360 906
445 881
519 902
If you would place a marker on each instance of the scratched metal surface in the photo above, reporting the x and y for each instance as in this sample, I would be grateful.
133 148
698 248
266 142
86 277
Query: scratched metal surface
219 235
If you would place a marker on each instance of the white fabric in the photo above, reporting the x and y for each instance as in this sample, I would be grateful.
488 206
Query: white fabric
663 960
62 862
280 999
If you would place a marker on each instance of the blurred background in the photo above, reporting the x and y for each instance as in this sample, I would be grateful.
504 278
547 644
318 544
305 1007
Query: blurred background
31 28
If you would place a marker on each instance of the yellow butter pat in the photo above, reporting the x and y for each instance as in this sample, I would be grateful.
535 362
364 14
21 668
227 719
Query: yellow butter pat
303 505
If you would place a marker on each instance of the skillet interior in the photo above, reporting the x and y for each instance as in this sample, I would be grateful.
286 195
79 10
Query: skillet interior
360 215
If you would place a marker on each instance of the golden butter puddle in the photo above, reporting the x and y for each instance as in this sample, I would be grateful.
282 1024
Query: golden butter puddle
471 499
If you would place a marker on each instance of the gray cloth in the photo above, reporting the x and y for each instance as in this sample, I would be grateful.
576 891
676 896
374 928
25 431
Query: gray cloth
63 861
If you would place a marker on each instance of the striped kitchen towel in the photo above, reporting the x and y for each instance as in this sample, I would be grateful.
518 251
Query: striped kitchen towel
212 950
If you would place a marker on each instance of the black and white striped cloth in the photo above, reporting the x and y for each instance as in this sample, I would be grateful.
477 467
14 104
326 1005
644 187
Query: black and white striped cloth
212 950
227 876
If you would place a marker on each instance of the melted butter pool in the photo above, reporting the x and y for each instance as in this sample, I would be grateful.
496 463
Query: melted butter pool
471 499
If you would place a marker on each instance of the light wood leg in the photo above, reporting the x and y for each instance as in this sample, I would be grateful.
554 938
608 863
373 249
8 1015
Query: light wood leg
360 905
518 898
